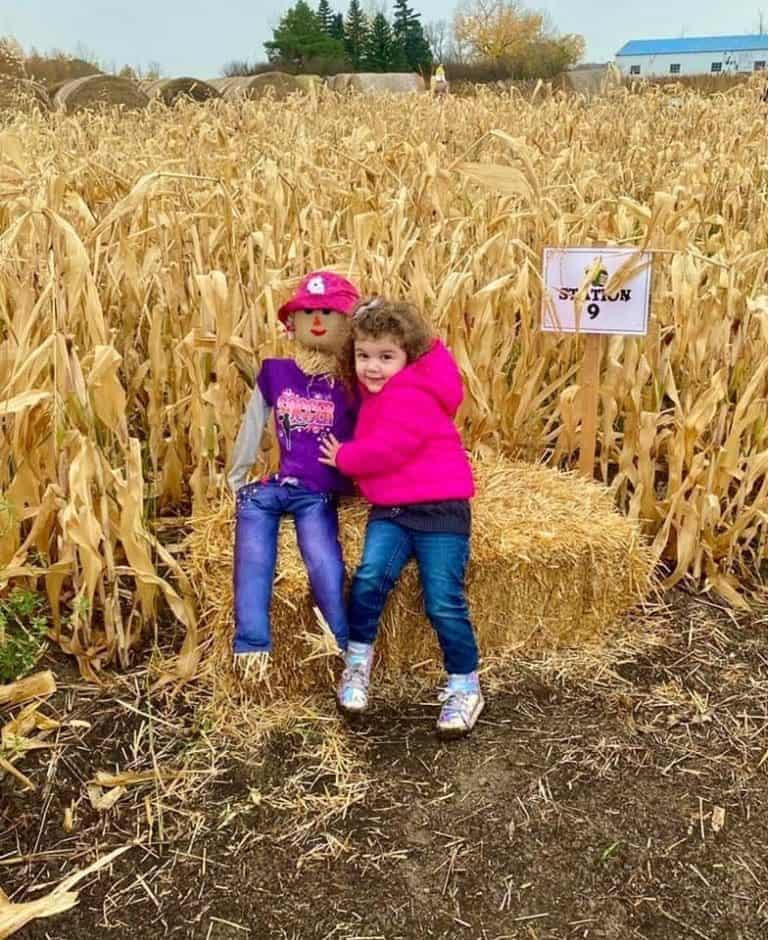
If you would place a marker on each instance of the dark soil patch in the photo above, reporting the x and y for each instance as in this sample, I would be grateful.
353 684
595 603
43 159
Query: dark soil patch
623 803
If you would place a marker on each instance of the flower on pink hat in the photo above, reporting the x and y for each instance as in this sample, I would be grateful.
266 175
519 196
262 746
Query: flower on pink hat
322 290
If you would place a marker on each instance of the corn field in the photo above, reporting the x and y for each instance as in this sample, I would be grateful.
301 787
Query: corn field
143 258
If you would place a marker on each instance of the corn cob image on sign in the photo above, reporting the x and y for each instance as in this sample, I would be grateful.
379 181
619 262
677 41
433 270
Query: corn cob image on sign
596 290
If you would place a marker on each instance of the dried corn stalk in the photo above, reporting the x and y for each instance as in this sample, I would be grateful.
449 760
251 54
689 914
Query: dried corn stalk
144 256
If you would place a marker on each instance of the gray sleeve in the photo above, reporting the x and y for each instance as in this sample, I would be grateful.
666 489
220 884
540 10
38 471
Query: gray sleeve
248 440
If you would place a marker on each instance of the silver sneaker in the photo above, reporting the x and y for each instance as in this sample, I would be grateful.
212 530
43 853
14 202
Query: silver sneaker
463 703
353 689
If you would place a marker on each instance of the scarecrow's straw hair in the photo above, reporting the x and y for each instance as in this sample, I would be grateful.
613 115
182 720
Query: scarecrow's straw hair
552 564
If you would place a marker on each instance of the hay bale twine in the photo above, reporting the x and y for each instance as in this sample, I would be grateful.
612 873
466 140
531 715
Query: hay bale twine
553 564
169 90
279 84
19 94
377 83
98 91
12 64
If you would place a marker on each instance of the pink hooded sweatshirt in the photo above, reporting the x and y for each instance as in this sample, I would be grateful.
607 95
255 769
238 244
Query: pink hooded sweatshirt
406 448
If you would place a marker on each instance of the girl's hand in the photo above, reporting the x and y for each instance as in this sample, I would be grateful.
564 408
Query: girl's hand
329 448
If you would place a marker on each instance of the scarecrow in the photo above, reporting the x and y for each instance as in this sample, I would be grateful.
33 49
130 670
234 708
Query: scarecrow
439 82
310 400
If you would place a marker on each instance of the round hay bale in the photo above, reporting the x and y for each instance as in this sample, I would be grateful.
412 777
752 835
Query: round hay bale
98 91
587 81
220 84
18 94
378 83
169 90
339 82
223 85
11 60
308 82
280 84
553 564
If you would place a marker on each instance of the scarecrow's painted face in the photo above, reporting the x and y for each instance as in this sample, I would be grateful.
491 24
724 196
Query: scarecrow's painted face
326 330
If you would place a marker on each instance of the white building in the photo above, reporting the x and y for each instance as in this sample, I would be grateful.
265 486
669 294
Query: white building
703 55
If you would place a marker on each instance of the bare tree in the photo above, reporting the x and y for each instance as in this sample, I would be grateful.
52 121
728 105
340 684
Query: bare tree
86 54
438 34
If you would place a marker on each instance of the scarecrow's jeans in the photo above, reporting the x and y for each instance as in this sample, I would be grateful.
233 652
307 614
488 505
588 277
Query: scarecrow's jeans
260 506
442 558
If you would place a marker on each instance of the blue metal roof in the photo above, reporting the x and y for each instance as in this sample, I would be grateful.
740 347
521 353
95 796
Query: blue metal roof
695 44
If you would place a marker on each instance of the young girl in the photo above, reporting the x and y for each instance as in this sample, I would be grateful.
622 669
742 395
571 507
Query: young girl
409 462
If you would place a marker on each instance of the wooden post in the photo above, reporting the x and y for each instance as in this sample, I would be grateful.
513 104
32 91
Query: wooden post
590 389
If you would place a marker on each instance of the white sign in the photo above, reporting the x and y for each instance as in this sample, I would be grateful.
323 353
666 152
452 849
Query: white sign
575 295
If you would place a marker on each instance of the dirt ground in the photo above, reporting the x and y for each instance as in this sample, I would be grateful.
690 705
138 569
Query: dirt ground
620 795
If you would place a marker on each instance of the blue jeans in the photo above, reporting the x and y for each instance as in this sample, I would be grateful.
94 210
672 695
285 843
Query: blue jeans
442 558
260 507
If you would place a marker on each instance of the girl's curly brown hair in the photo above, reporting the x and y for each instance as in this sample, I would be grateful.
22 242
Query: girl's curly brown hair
403 321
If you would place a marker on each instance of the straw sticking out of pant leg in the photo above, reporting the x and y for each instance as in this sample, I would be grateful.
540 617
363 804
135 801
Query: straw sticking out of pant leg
252 667
322 645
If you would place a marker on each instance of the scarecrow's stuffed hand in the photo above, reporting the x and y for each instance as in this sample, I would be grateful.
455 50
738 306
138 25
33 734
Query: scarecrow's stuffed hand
329 448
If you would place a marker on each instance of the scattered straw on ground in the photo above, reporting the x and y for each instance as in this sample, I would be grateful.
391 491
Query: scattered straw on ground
15 916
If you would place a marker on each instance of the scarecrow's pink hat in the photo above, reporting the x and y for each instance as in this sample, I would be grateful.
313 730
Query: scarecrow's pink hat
322 290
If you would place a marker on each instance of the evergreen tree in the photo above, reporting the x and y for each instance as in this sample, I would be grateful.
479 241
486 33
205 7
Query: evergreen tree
325 17
300 38
380 47
414 52
355 34
337 26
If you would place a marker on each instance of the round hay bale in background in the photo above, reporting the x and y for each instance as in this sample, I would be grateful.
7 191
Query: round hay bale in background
587 81
308 82
220 84
553 564
169 90
397 83
98 91
280 84
18 94
11 60
339 82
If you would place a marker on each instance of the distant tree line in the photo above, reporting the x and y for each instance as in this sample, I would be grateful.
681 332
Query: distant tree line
324 41
488 40
55 67
501 39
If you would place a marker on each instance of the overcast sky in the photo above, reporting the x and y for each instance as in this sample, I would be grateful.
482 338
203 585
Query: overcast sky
197 37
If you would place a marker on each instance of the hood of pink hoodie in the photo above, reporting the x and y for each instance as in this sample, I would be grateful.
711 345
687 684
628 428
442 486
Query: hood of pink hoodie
435 373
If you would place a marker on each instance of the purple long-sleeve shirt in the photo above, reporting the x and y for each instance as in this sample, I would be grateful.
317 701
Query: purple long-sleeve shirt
306 408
